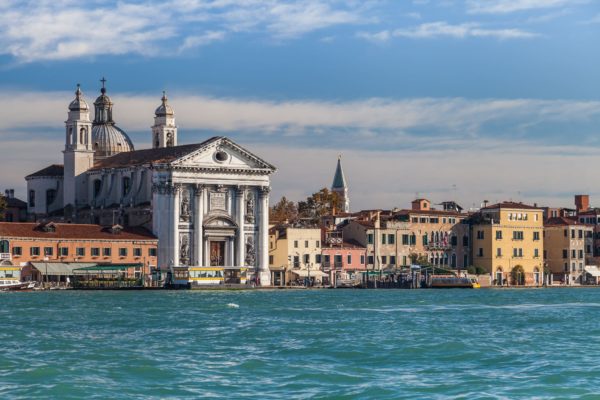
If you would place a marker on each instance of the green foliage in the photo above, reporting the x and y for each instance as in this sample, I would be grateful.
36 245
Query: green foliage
476 270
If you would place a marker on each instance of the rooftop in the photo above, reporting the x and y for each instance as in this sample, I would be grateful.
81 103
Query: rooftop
71 231
511 205
54 170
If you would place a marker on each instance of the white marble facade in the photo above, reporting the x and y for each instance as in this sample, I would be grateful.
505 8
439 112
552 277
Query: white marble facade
208 203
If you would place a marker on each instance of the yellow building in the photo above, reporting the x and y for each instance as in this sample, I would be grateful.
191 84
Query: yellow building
567 249
295 255
508 241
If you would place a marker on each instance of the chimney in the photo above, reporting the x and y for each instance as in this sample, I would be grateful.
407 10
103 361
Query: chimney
485 203
582 202
9 193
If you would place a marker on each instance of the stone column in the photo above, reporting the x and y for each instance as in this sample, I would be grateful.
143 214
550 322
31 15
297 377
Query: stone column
198 221
175 204
263 238
239 242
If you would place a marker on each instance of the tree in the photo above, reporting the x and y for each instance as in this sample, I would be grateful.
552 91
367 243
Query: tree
319 204
283 210
3 205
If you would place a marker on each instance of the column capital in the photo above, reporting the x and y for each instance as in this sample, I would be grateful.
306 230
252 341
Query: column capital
198 189
265 190
240 190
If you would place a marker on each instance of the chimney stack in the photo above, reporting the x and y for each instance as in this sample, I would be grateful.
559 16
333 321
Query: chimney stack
582 202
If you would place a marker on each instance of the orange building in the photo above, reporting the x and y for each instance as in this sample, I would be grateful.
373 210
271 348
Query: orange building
22 244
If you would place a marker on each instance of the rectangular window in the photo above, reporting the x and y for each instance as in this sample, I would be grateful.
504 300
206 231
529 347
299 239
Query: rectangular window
34 251
80 252
413 239
536 236
318 244
296 261
270 260
480 235
517 235
581 254
295 244
536 253
370 260
580 234
362 259
152 252
383 238
425 240
349 259
515 252
318 258
391 238
137 251
498 235
122 252
306 258
64 251
369 238
465 241
32 198
404 260
453 240
498 252
327 258
520 252
306 244
566 233
393 260
572 233
573 253
384 260
48 251
565 253
106 251
405 240
95 251
480 254
17 251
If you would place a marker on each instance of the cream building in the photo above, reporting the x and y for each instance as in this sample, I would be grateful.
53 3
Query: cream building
295 253
567 249
508 242
207 202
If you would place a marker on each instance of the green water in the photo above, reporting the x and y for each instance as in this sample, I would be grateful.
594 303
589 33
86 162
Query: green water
380 344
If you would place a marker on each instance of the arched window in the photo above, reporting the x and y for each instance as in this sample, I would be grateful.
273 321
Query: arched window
82 136
156 141
170 139
32 198
126 185
97 187
50 196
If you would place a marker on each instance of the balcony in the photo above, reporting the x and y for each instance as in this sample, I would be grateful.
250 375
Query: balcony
438 246
5 256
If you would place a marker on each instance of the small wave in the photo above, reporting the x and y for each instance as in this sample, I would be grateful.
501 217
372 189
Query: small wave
233 305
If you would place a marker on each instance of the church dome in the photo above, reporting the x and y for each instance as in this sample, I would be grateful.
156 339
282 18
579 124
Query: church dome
78 104
108 139
164 109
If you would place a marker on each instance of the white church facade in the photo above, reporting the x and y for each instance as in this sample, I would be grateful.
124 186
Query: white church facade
208 203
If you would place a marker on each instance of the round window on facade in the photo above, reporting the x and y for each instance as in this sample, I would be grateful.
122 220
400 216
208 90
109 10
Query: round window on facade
221 156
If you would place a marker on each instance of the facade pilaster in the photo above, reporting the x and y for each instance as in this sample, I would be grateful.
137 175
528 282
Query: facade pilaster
241 211
263 249
175 196
198 222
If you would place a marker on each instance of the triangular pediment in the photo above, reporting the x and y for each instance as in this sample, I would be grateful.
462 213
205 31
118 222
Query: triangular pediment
223 154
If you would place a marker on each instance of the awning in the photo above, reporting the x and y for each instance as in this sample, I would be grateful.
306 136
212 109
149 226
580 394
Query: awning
54 268
108 267
303 273
592 270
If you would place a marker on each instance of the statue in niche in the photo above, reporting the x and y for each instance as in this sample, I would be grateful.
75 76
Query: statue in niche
250 251
250 208
185 208
184 251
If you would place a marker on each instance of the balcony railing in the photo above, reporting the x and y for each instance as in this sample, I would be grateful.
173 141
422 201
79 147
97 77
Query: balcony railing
5 256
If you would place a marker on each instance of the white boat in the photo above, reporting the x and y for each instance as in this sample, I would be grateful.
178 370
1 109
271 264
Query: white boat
11 284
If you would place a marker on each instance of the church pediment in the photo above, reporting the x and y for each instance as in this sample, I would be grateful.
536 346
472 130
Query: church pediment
223 154
219 221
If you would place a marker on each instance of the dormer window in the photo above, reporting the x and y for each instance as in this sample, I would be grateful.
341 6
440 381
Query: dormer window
116 229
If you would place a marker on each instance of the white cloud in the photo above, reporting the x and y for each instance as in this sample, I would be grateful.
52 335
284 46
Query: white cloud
55 30
509 6
444 29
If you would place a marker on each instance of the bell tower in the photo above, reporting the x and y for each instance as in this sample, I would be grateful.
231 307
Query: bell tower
78 152
164 131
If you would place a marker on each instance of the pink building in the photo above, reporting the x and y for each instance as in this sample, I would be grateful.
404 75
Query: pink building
344 261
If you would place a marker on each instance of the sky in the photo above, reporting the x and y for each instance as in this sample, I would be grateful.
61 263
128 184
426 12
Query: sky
464 100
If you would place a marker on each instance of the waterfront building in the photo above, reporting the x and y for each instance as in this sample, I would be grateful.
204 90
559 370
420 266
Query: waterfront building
343 260
295 255
340 186
34 247
567 249
206 202
508 241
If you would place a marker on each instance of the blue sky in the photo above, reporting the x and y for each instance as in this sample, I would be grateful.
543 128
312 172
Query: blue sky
470 99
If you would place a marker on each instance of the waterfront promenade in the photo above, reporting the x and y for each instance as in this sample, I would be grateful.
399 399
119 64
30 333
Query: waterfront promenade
272 344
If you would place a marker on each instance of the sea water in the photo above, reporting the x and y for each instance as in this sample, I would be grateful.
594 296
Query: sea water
284 344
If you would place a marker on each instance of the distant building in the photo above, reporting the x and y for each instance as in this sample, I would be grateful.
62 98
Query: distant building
567 249
295 254
508 241
16 209
340 186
